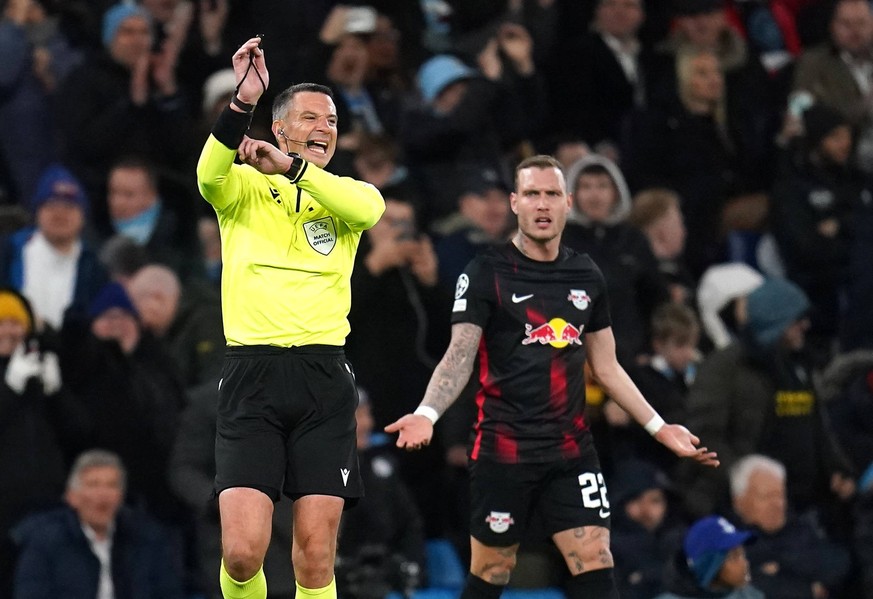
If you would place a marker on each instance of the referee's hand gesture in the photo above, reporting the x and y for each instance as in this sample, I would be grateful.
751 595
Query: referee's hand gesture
251 71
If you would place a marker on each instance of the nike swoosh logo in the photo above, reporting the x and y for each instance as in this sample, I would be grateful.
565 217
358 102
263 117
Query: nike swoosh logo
604 513
520 298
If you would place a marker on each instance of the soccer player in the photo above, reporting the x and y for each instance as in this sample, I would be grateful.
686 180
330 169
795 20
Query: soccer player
534 311
287 398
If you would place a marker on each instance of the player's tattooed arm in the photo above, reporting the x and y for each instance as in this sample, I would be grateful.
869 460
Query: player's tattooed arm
452 373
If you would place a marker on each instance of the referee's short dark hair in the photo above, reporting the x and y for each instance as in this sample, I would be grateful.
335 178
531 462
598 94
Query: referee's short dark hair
280 104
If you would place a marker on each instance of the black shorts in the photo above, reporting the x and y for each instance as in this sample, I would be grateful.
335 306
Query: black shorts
286 422
563 495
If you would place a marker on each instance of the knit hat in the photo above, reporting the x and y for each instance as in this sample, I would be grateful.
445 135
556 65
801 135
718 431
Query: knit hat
634 477
219 84
480 179
57 183
112 295
819 121
707 544
438 73
772 308
115 16
720 285
13 307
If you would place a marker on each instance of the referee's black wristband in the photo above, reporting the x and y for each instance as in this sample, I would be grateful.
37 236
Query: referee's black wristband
297 168
246 108
231 126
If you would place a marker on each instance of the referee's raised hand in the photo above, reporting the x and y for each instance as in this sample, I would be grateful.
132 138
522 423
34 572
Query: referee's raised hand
251 71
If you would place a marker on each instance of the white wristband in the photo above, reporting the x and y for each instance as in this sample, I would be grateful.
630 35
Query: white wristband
654 425
428 412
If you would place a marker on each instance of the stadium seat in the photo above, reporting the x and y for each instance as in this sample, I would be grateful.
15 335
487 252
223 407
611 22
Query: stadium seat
546 593
444 568
429 594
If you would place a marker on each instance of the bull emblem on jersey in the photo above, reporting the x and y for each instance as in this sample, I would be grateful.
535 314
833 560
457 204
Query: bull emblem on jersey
580 298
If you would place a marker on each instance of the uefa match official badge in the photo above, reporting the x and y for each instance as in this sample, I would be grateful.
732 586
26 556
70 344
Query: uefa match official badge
499 521
321 234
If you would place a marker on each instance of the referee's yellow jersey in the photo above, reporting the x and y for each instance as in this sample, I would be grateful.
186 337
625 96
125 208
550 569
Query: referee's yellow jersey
287 250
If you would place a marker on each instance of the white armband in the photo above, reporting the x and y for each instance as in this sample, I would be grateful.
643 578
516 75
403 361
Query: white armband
428 412
654 425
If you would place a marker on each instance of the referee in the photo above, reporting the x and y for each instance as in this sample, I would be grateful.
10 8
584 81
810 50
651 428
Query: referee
286 414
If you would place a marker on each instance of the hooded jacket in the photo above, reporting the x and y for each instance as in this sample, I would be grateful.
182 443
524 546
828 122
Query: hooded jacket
625 257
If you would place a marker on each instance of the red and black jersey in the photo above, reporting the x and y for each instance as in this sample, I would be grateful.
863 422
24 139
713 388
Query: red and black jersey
534 316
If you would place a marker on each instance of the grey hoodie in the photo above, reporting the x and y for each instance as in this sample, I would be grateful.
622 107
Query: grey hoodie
620 209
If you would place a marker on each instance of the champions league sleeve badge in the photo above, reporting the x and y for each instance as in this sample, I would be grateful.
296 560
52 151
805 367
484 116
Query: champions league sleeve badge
460 289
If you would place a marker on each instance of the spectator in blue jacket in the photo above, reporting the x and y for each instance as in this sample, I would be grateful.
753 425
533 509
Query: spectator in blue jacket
792 557
93 547
52 263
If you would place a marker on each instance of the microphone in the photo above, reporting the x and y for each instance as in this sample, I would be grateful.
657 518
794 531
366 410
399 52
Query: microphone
288 140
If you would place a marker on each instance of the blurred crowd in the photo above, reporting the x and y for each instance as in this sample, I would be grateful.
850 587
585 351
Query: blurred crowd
720 156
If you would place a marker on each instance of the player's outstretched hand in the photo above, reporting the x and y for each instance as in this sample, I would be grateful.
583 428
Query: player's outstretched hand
263 155
415 431
683 443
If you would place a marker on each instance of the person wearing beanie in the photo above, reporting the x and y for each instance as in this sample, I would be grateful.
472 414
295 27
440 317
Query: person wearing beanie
36 423
757 395
712 563
831 70
14 309
813 206
646 527
37 55
438 73
117 17
467 117
53 264
124 101
112 296
130 397
772 309
821 121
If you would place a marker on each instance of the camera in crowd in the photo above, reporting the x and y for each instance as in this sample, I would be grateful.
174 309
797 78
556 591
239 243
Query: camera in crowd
373 572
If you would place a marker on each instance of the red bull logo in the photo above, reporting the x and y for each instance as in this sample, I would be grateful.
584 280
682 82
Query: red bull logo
557 332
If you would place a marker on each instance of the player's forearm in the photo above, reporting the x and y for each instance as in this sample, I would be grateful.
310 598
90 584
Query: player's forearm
446 384
621 389
452 373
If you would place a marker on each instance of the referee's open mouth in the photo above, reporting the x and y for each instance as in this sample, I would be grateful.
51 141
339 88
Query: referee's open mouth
317 146
543 222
